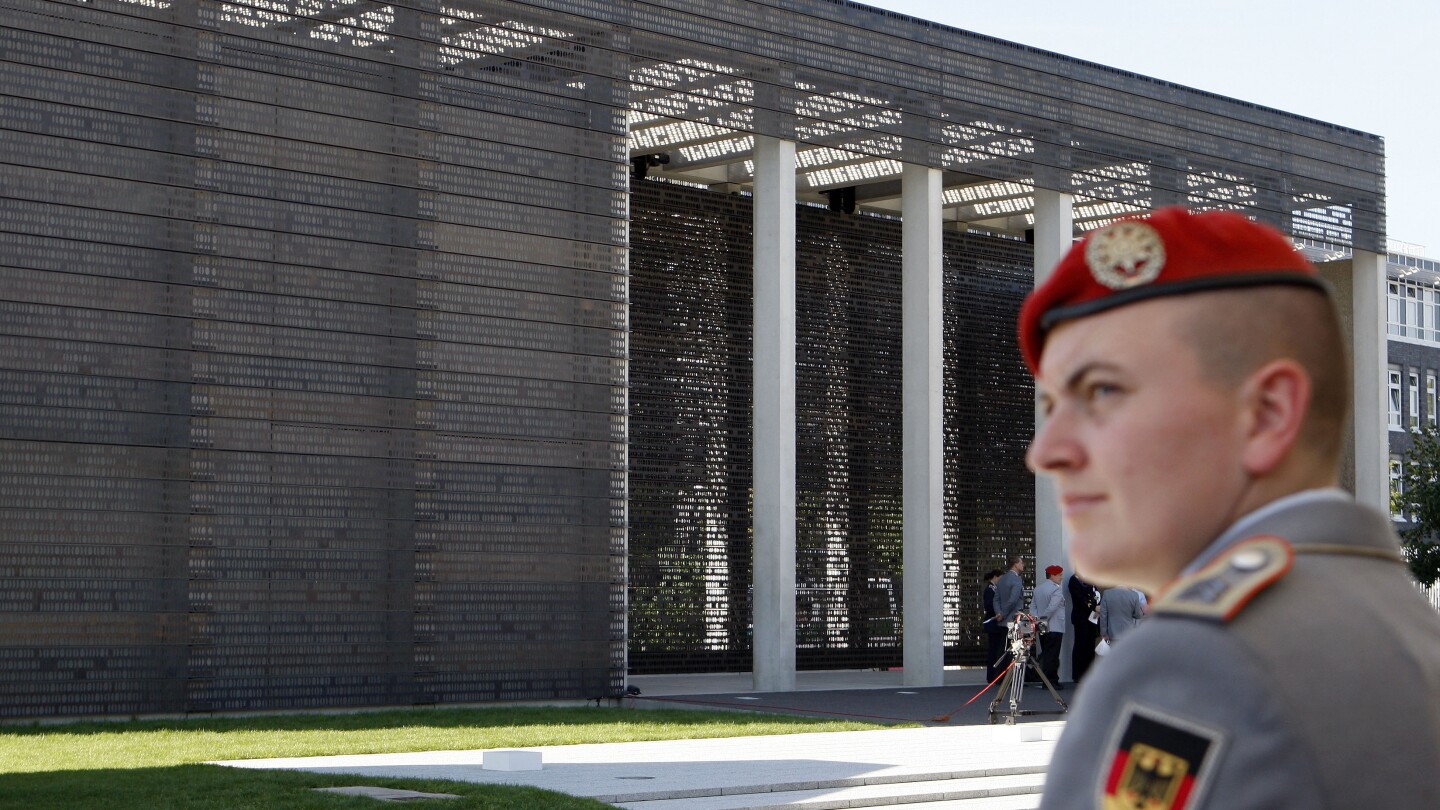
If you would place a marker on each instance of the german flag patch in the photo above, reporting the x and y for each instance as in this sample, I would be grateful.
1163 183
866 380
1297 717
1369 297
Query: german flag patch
1159 762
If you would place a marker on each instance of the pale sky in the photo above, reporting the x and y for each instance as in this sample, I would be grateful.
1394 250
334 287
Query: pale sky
1371 66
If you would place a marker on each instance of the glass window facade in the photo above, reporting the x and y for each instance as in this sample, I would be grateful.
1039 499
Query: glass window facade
1414 391
1430 397
1397 486
1414 310
1394 398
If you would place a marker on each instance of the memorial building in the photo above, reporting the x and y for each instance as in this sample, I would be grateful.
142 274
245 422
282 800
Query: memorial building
448 351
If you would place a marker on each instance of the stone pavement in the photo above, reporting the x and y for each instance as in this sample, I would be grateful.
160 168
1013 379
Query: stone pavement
861 695
959 765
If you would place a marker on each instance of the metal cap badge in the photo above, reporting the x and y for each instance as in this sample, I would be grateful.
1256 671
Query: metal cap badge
1126 254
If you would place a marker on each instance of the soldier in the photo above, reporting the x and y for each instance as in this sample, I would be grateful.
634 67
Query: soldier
1192 371
1048 605
1121 610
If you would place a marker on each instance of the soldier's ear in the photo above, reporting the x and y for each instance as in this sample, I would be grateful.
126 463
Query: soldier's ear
1275 400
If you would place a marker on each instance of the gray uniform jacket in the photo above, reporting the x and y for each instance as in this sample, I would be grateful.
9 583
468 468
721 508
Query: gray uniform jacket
1048 604
1009 595
1320 693
1120 612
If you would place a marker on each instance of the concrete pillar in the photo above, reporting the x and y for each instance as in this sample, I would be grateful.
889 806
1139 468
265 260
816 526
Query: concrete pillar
1054 233
1372 450
922 319
774 429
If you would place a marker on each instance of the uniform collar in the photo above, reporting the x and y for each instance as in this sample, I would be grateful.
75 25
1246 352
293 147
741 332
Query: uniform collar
1244 527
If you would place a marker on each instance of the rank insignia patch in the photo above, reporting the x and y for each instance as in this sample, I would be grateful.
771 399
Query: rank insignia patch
1220 590
1159 763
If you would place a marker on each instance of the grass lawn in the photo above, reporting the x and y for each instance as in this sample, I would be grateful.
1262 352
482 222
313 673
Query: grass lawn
154 764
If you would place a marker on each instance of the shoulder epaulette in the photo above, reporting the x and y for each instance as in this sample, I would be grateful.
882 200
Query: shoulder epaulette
1221 589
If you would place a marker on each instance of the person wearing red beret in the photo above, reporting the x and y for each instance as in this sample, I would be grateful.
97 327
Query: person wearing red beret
1048 605
1192 373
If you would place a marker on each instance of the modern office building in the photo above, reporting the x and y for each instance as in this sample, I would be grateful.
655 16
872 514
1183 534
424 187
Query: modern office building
1413 350
358 353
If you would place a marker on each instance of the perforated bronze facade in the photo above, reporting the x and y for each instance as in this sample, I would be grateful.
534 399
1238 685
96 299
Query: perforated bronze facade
315 328
313 365
690 432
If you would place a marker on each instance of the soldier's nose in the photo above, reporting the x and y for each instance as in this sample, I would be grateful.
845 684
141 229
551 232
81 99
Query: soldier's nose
1053 449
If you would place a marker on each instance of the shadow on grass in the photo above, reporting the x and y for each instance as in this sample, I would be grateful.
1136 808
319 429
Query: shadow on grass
211 787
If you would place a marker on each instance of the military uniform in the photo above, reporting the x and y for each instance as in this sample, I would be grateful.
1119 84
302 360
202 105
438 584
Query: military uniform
1292 663
1048 605
1298 667
1121 610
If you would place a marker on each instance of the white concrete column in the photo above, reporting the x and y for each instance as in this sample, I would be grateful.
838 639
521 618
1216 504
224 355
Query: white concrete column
1367 347
1054 233
774 416
922 327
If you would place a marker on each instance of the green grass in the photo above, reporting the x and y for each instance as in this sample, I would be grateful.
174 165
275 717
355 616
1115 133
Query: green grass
155 764
212 787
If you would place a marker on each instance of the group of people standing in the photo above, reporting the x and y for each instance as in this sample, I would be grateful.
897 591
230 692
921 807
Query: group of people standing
1092 615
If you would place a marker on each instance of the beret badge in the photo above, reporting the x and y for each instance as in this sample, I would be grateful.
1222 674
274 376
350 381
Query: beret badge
1126 254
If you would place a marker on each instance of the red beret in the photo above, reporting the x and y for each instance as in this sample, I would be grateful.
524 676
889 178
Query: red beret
1170 252
1053 570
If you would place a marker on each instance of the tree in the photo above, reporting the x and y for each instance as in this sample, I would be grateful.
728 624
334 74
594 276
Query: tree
1417 497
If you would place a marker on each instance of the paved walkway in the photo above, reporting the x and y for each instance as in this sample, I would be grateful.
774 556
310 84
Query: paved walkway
692 769
856 695
808 681
960 757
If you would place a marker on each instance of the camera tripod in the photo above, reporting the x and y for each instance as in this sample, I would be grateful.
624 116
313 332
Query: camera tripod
1012 683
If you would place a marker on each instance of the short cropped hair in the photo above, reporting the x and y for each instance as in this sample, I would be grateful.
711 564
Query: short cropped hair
1247 328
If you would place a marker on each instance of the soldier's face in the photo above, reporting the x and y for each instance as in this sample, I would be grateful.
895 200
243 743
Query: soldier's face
1145 451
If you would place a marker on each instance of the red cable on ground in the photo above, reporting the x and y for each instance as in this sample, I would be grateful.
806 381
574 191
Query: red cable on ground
945 718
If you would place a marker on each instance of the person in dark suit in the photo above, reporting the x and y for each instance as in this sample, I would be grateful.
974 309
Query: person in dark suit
994 629
1009 602
1084 601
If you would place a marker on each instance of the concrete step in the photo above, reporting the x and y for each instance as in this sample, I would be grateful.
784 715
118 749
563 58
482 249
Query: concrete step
1025 801
944 792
